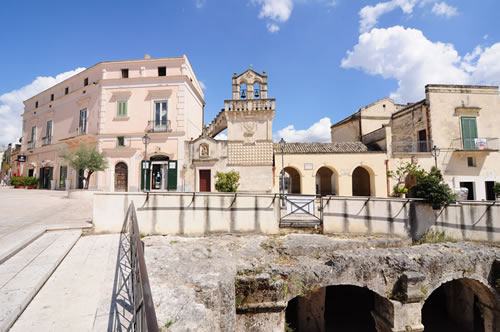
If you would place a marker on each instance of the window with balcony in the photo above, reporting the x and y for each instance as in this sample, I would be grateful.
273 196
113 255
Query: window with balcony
162 71
125 73
160 121
82 123
122 108
47 140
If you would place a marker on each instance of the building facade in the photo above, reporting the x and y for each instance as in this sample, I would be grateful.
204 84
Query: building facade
110 107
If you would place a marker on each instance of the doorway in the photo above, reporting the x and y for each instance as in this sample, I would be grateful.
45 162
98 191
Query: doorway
121 177
63 173
205 180
45 177
361 182
490 193
81 178
470 188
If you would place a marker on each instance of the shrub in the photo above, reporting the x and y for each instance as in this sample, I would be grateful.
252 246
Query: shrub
31 181
401 175
227 182
435 237
431 187
17 181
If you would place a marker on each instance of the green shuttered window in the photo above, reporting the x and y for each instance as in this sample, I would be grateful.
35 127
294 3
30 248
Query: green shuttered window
469 133
122 109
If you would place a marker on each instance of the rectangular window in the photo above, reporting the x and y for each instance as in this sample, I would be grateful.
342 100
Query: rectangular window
33 134
161 116
120 141
36 104
48 133
469 133
122 108
86 81
162 71
66 90
471 162
52 97
82 125
125 73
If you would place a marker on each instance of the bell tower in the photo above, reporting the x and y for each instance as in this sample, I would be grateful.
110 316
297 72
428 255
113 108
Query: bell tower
249 116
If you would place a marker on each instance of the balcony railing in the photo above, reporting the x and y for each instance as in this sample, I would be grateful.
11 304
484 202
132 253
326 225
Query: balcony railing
81 131
475 144
46 140
250 105
31 144
161 126
412 146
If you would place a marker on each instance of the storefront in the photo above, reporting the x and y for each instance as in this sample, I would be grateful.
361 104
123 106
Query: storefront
160 174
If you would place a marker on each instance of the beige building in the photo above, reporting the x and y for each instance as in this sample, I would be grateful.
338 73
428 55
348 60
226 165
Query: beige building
110 106
454 127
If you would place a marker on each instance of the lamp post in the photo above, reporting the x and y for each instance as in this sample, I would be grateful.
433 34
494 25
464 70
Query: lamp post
435 153
282 172
145 141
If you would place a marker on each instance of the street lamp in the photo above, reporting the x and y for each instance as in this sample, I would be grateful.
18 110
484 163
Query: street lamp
435 153
145 166
282 172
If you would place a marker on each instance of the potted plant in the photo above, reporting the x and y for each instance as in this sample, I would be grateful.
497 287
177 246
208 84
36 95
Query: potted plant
17 181
31 182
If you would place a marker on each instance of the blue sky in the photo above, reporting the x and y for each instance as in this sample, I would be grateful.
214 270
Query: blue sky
324 59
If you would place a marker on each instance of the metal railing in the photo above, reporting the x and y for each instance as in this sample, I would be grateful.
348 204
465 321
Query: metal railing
144 311
412 146
46 140
250 104
31 144
160 126
81 130
474 144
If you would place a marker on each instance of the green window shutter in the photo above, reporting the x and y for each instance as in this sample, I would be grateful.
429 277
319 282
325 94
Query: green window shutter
172 175
122 108
148 177
469 133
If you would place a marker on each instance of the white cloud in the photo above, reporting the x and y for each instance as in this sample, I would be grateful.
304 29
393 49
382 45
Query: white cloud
443 9
318 132
369 15
271 27
11 104
221 137
200 3
414 61
203 86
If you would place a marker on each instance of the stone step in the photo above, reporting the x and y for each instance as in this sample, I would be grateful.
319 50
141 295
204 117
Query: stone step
300 223
24 274
16 241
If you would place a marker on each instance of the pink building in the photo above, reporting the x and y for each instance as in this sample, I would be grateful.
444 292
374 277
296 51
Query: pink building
111 106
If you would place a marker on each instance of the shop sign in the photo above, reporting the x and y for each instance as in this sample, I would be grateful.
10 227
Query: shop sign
21 158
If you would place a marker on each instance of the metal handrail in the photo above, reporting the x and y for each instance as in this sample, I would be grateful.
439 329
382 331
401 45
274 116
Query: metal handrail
159 126
144 311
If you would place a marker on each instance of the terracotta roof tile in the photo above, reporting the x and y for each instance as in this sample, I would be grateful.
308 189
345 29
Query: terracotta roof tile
344 147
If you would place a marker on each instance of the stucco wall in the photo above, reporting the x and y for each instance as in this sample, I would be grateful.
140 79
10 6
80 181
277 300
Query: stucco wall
189 214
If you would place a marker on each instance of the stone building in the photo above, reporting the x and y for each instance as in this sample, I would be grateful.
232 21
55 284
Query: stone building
248 118
110 106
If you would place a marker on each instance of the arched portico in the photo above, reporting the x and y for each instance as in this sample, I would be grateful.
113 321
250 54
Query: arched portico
292 180
326 181
362 181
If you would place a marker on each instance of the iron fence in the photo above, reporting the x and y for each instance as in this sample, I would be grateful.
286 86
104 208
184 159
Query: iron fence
159 126
144 311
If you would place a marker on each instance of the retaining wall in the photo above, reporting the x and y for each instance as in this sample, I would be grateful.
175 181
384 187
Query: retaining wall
189 213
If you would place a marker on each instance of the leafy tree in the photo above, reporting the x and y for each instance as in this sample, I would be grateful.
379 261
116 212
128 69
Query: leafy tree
496 189
85 158
431 187
227 182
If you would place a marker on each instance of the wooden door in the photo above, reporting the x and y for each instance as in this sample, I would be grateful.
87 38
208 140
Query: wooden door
121 177
205 180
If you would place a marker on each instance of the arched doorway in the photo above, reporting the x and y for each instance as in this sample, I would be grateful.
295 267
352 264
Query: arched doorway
325 181
461 305
340 308
361 182
121 177
291 181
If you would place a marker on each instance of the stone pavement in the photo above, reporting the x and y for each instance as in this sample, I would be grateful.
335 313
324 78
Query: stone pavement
88 292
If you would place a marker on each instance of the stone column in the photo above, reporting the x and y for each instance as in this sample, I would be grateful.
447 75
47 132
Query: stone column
402 317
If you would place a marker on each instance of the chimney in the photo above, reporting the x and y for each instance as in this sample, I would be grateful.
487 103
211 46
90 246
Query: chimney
147 57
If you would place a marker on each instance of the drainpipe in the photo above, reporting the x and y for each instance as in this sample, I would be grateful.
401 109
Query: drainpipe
387 177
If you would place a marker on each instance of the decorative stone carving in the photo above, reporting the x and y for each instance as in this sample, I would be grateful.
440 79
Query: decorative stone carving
204 150
248 128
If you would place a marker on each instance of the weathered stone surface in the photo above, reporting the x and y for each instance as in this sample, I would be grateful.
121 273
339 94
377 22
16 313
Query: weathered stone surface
223 283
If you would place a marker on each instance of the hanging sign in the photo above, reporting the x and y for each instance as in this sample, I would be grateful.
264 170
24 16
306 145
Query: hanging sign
21 158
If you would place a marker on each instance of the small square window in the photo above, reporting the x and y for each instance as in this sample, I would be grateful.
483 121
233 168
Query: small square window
52 97
471 162
36 104
120 141
66 90
124 73
162 71
86 82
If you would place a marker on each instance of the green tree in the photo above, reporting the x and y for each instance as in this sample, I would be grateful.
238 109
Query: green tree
401 174
227 182
496 189
431 187
85 158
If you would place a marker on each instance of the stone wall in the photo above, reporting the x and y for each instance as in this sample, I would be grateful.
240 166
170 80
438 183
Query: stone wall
406 124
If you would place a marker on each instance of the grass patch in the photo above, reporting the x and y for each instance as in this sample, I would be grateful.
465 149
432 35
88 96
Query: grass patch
435 237
169 323
174 242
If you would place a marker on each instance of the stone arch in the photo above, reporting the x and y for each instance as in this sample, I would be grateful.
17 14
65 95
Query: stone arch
293 180
243 90
121 176
363 181
341 307
256 89
462 305
326 181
